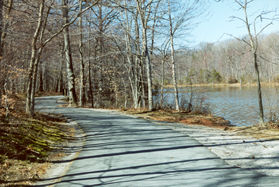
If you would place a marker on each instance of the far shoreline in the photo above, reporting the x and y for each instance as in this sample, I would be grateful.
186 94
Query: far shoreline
264 84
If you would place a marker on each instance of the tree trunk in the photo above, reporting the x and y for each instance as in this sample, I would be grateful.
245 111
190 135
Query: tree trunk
254 48
142 83
68 55
132 68
138 71
41 80
89 72
144 19
1 49
3 33
82 79
1 30
7 110
1 92
90 84
259 88
34 78
61 87
162 82
28 108
173 61
148 70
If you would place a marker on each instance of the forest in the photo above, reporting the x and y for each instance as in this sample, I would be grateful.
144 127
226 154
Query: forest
118 54
72 72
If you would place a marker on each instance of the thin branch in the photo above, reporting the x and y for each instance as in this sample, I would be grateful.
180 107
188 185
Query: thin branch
241 40
67 25
263 29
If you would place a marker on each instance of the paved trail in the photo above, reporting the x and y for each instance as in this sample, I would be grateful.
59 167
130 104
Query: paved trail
125 151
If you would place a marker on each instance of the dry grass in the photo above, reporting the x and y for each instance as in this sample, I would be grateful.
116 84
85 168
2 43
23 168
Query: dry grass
26 144
182 117
265 131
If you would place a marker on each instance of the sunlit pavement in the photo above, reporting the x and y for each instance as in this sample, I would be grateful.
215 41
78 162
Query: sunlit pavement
125 151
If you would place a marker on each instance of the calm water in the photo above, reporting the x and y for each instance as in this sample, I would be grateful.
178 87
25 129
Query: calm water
239 105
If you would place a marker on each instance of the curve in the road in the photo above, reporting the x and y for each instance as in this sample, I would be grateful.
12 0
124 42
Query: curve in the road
124 151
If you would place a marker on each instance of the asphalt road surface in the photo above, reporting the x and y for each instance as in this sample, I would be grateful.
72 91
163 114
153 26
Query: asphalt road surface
124 151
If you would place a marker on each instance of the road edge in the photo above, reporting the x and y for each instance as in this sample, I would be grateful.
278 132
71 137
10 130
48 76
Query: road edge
58 170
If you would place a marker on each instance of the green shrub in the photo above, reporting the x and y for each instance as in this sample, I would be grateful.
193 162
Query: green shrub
232 80
215 76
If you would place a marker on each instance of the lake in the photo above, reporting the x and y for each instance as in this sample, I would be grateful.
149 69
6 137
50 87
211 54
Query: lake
236 104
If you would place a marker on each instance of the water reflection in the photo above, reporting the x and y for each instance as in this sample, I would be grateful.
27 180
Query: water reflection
239 105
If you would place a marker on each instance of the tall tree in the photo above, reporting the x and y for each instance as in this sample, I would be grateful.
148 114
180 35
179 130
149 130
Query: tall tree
82 73
1 49
180 17
171 34
33 57
4 15
253 45
144 9
68 55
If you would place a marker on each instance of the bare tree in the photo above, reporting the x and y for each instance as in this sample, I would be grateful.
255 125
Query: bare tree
68 55
171 33
33 57
184 16
253 44
145 8
82 73
3 32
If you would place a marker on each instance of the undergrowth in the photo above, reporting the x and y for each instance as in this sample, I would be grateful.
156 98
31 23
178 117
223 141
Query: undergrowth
26 144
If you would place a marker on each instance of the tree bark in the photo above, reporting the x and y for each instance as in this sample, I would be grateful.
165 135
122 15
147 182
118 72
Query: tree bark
1 49
260 101
146 55
254 48
3 27
28 107
82 78
171 33
89 71
41 80
90 84
68 55
139 65
132 68
162 82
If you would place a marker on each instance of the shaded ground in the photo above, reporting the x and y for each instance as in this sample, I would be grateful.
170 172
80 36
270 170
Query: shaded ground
246 147
126 151
26 144
120 150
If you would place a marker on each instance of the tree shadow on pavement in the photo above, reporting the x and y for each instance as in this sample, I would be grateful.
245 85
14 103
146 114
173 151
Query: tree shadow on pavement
121 150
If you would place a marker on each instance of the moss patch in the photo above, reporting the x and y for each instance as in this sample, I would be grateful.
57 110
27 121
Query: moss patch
27 144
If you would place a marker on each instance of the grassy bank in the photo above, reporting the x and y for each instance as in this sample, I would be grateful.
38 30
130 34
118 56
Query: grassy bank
26 144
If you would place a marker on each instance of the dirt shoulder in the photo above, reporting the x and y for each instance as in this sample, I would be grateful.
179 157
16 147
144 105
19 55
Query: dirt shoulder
268 131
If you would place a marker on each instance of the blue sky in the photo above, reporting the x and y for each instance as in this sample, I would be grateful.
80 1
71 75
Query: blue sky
217 22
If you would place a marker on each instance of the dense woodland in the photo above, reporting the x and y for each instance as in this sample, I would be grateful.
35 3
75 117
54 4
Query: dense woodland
118 53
